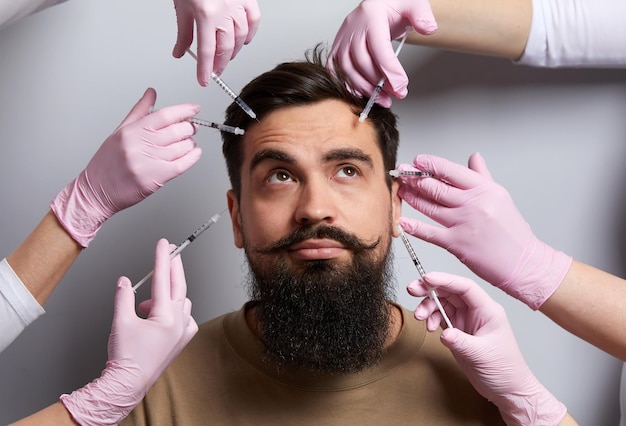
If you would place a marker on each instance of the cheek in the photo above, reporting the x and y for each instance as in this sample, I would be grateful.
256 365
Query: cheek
371 218
264 223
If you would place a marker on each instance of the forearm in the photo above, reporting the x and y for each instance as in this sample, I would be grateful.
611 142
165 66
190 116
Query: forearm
568 421
44 257
487 27
590 303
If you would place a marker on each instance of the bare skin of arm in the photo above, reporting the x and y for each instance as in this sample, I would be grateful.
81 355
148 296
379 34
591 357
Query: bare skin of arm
44 257
568 421
485 27
590 304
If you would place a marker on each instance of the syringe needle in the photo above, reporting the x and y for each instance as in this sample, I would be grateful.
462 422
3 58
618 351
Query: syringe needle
432 293
182 246
228 90
379 86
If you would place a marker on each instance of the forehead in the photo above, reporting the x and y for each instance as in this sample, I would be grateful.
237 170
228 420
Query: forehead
310 130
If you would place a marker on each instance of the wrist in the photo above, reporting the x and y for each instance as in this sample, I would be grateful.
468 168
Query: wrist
538 277
110 398
537 407
74 211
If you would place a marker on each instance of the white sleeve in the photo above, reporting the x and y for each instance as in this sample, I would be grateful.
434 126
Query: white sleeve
12 10
18 308
577 33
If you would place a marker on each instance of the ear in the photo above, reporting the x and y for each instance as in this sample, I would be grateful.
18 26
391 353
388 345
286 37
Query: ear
396 207
235 218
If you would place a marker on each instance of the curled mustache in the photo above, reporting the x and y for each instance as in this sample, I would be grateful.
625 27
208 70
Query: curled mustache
350 241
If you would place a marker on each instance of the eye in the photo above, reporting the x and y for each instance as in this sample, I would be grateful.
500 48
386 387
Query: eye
348 172
279 176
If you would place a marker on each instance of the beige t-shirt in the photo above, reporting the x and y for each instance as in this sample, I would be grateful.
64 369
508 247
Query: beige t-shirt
221 378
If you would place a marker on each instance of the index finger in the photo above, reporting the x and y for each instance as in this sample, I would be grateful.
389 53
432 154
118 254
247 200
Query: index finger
161 292
455 174
467 290
169 115
178 284
206 47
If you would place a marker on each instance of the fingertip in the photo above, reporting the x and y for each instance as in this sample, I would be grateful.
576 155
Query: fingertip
426 26
419 314
449 336
445 335
123 282
384 100
413 288
203 78
178 51
408 225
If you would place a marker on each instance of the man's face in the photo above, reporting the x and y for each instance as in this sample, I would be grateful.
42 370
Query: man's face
315 217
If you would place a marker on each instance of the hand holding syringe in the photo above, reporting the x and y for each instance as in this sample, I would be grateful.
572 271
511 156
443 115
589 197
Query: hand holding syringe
432 293
184 244
244 106
379 86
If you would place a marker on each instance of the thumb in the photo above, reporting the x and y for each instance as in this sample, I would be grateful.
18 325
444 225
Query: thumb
456 340
422 18
141 108
145 307
124 300
477 163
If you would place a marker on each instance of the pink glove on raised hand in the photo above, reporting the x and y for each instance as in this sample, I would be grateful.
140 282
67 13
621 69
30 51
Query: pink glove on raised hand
482 228
223 26
139 349
484 346
362 48
143 153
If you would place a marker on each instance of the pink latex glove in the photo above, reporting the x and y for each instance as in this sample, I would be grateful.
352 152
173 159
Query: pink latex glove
143 153
483 344
362 48
223 27
482 228
139 349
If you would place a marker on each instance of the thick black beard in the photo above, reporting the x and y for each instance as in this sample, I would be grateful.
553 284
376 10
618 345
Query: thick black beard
322 317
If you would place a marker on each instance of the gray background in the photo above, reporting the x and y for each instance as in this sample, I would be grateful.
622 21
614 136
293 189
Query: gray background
554 138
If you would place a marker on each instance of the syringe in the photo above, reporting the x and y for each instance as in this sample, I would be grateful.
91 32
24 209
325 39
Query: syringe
228 90
414 173
379 86
218 126
184 244
432 293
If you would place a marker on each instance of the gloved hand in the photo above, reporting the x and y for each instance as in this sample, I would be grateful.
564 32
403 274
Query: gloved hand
143 153
483 344
362 48
223 26
482 228
139 349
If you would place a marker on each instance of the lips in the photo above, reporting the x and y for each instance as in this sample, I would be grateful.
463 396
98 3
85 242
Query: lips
317 249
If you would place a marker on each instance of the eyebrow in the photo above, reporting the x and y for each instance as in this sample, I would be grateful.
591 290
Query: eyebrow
270 154
349 154
340 154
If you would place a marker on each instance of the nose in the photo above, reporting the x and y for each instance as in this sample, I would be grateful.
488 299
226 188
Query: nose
316 203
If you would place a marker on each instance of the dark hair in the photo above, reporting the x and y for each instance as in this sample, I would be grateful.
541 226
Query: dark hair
301 83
